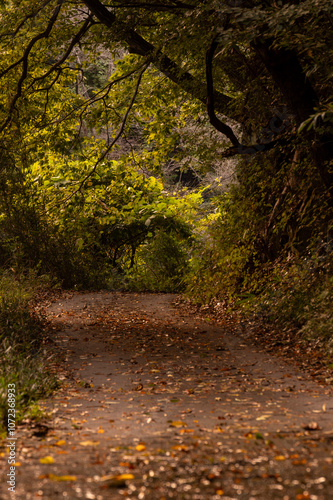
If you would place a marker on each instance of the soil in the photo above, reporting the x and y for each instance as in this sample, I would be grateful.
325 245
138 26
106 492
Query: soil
158 403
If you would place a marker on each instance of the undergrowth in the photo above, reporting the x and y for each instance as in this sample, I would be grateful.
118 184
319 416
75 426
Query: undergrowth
23 359
268 252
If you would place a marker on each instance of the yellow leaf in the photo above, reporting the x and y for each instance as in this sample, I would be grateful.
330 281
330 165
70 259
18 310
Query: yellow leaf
17 464
184 431
124 477
61 442
47 460
121 477
140 447
53 477
263 417
220 492
100 431
178 423
280 457
89 443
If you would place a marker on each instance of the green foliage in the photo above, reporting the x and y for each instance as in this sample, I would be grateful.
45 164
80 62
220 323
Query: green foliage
261 248
23 361
29 239
162 263
94 114
299 293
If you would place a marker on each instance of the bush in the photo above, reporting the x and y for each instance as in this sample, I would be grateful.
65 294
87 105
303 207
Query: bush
23 361
161 264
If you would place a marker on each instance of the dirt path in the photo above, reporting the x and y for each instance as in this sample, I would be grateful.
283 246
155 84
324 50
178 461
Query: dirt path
157 404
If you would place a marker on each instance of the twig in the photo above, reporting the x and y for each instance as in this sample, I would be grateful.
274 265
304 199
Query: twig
117 137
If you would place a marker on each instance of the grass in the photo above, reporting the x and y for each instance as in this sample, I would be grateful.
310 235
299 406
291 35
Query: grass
22 352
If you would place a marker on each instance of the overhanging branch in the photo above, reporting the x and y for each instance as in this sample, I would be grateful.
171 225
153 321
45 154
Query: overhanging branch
138 45
214 120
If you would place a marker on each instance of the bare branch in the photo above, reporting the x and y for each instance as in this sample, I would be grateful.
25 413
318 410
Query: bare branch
251 149
138 45
214 120
27 17
75 40
25 58
155 6
117 136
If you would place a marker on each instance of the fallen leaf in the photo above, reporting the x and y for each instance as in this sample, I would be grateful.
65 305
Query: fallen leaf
117 481
140 447
53 477
120 477
180 447
312 426
178 423
47 460
61 442
89 443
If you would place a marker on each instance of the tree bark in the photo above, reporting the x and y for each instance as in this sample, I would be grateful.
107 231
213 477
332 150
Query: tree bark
301 99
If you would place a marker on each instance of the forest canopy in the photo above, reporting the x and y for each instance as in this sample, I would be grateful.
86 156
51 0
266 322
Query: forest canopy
177 145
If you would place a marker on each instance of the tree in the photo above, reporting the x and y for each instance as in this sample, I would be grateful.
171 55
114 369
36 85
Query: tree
251 67
253 38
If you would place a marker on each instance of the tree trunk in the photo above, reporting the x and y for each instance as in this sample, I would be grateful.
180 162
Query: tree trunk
301 99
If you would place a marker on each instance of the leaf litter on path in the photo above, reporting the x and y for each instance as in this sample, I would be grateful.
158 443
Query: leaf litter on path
155 403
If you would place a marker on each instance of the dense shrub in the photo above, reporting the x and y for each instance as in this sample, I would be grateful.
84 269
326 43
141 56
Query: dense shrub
161 263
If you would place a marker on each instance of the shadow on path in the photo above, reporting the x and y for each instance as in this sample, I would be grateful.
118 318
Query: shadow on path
156 404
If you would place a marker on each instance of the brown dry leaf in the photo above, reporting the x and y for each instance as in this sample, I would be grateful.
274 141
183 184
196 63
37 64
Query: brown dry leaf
180 447
178 423
311 426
